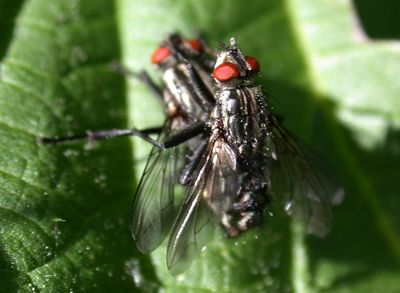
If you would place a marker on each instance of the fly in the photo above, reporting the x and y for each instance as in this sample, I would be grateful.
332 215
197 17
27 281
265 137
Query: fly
249 160
240 157
188 98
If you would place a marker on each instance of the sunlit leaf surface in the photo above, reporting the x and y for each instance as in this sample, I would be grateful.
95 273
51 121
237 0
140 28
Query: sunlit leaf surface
64 209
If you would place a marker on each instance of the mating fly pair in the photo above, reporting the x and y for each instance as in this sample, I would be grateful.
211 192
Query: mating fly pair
238 156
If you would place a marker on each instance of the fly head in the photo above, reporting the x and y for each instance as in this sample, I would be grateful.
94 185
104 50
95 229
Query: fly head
175 49
232 68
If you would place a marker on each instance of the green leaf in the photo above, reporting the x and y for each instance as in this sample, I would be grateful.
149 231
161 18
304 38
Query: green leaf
64 209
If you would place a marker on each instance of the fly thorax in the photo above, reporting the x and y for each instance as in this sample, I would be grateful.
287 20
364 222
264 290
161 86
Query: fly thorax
177 84
240 113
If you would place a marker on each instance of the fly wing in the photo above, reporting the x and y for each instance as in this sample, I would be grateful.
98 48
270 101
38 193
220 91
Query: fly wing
301 182
210 193
153 205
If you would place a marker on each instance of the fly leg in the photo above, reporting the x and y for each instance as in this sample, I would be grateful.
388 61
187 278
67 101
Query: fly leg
142 76
176 139
103 134
199 87
185 134
201 37
193 162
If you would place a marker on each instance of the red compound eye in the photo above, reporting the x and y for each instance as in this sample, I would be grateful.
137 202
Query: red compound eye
253 64
195 45
226 71
160 55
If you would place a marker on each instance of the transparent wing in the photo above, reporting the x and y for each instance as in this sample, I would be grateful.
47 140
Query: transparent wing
301 182
210 193
152 210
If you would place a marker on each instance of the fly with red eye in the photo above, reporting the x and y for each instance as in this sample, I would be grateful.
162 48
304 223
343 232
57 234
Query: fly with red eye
187 95
249 161
238 156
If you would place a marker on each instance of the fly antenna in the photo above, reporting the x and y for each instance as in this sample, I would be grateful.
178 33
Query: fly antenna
233 43
222 46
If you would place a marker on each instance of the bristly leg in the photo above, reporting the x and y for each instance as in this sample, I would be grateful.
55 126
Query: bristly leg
92 136
198 86
176 139
142 76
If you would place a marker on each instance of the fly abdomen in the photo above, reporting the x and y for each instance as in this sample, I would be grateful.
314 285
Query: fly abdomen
247 209
246 212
